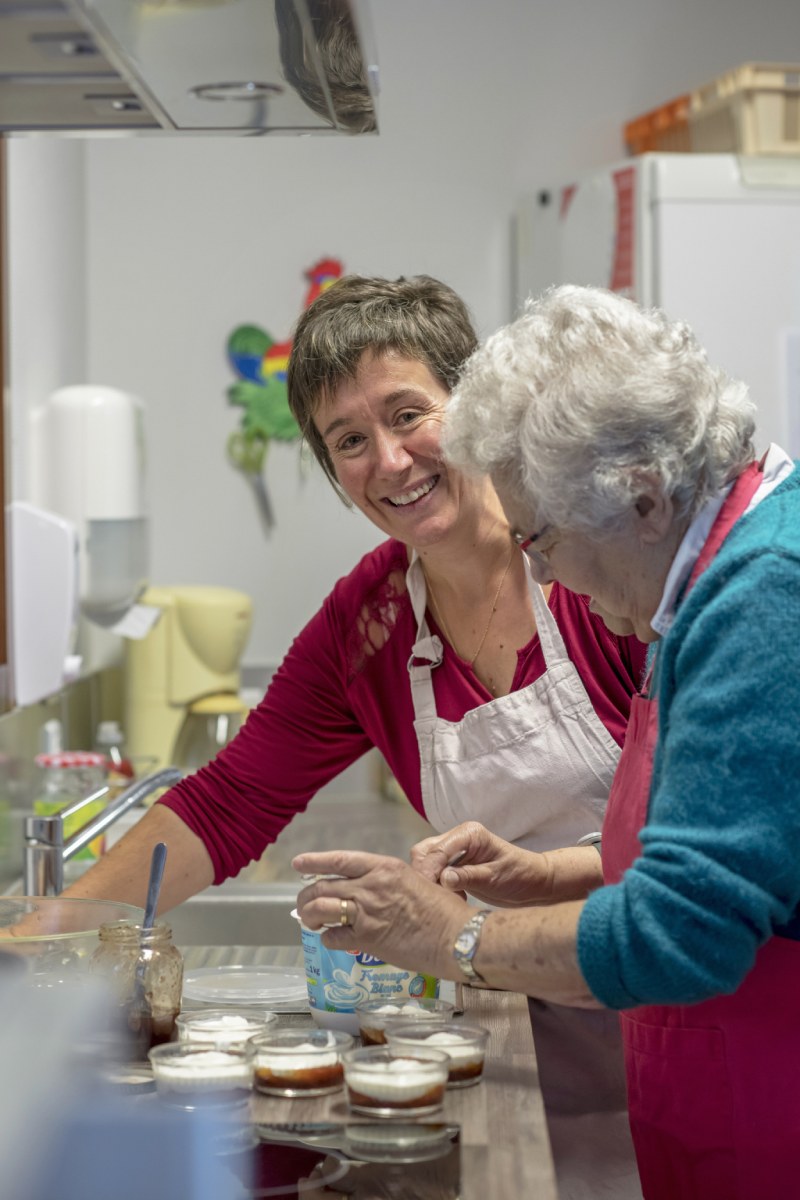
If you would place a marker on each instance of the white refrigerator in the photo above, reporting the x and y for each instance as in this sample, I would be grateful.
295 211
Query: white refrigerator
713 239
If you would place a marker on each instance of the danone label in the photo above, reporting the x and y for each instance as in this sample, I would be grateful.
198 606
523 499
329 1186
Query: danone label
340 980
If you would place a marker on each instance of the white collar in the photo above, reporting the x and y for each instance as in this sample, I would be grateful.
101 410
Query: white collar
777 465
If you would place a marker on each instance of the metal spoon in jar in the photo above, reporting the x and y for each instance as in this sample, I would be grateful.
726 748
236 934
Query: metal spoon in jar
151 905
154 886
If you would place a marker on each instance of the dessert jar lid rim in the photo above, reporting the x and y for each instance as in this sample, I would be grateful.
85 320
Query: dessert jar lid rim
186 1050
422 1028
208 1016
378 1056
287 1041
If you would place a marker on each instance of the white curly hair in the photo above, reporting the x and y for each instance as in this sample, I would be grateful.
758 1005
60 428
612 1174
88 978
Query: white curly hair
586 395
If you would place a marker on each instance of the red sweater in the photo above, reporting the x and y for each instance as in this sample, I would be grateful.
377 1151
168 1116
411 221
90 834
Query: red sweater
343 687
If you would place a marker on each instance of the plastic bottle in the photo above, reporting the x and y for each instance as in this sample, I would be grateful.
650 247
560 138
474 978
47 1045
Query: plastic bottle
50 739
110 742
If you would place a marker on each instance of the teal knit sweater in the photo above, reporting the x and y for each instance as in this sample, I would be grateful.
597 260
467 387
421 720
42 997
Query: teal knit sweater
720 866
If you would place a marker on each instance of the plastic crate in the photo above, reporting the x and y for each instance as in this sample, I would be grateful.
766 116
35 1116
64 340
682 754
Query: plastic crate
664 128
752 109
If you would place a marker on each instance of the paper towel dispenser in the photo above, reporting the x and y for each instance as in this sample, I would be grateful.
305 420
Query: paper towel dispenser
248 67
87 465
43 600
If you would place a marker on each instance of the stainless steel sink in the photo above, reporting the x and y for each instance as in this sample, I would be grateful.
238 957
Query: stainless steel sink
235 913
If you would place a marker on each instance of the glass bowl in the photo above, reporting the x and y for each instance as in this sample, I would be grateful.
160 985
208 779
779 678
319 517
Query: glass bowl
382 1081
197 1076
299 1062
464 1045
56 935
223 1026
375 1016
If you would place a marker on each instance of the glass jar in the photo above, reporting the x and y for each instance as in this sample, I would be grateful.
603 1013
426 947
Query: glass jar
145 972
67 776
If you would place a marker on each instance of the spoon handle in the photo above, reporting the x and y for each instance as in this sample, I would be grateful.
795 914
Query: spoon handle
154 886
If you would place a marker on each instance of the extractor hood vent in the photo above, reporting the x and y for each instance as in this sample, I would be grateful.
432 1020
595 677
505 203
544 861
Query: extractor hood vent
188 66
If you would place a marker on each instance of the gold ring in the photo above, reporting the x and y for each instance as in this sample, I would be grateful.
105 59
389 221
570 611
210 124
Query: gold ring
343 914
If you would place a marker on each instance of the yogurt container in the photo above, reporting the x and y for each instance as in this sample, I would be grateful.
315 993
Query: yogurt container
339 981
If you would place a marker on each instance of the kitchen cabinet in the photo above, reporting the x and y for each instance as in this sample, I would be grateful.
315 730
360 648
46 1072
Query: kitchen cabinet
298 66
53 75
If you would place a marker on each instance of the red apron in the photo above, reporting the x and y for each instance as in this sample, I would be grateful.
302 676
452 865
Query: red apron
713 1088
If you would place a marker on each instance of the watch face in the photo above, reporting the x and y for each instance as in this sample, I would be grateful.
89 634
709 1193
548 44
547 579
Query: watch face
465 941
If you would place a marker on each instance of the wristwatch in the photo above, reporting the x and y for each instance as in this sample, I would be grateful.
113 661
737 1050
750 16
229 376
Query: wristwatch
466 945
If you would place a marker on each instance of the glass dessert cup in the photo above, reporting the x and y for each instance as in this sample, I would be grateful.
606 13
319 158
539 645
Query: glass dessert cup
375 1016
192 1076
382 1081
299 1062
223 1027
464 1045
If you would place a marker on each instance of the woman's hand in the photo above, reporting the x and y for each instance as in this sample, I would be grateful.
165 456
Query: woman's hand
391 911
399 916
471 859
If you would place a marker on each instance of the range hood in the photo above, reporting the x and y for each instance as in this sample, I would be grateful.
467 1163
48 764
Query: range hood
247 67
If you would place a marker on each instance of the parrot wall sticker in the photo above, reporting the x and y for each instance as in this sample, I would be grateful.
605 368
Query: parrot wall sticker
260 391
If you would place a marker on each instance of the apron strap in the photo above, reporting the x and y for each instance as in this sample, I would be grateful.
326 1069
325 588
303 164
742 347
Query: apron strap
430 647
736 503
553 646
428 651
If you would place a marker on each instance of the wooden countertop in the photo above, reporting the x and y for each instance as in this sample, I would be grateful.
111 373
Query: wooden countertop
505 1150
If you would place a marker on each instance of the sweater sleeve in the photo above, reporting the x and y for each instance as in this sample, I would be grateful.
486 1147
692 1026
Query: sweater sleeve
720 869
301 735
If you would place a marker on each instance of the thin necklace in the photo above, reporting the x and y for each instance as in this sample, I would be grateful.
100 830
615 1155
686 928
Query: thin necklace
492 611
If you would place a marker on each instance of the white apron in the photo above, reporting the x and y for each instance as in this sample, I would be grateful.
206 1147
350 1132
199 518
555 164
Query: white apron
536 767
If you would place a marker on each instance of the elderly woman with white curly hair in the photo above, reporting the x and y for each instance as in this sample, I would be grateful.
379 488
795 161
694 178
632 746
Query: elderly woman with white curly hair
625 464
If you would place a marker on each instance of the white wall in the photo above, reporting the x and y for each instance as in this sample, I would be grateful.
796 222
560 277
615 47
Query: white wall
188 237
47 342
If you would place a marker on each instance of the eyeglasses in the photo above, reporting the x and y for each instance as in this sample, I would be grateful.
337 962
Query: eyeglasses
538 559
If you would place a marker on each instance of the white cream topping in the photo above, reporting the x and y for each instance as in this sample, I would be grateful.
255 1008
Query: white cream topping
457 1048
415 1012
285 1064
398 1079
303 1057
410 497
209 1069
228 1030
411 1011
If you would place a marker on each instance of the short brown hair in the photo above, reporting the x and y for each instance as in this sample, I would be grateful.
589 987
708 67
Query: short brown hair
418 317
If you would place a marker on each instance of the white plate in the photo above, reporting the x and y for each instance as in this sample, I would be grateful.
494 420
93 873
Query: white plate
280 987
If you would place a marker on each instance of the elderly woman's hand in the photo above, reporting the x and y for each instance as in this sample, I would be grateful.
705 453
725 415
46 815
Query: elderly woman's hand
471 859
390 910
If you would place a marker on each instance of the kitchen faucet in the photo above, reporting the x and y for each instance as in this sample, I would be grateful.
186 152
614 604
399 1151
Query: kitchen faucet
45 848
